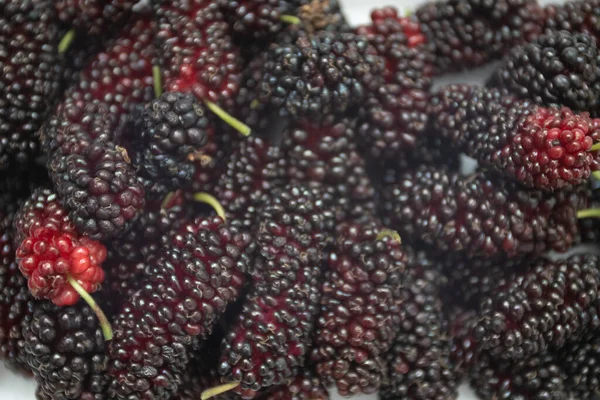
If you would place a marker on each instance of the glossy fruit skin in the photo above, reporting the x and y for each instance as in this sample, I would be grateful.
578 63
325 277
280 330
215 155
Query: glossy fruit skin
355 327
470 33
557 69
65 349
180 298
93 17
546 306
269 340
540 377
30 82
90 169
579 361
298 79
174 129
541 147
574 16
479 215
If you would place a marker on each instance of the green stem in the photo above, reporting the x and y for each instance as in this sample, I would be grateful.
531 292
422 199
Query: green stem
291 19
229 119
589 213
104 324
211 201
217 390
157 77
388 232
595 147
66 41
596 175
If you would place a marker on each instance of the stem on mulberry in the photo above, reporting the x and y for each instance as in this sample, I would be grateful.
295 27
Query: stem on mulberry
595 147
66 41
104 324
589 213
157 78
217 390
291 19
388 232
209 199
228 118
596 175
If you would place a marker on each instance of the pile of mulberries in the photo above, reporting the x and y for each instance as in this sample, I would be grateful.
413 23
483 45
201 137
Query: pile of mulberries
254 199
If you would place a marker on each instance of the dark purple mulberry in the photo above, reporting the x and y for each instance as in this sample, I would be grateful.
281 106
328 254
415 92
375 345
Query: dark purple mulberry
581 363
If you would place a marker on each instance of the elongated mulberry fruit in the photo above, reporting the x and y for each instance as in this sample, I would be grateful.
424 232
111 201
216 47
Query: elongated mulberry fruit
418 363
50 251
546 306
180 298
306 386
539 377
545 148
356 327
479 216
65 349
396 114
322 74
557 69
325 154
15 300
581 363
469 33
31 73
93 17
269 341
577 16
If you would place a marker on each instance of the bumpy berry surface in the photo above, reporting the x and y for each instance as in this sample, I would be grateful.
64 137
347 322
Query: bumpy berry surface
581 363
92 175
253 170
574 16
325 153
269 340
30 79
197 50
15 299
306 386
257 17
65 349
557 69
539 377
49 249
478 215
93 17
356 325
418 362
549 304
463 352
180 298
546 148
172 133
469 33
396 114
322 74
129 255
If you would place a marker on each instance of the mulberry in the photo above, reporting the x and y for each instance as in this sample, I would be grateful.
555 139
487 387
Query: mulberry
356 326
269 340
479 216
180 298
31 73
65 349
557 69
52 255
539 377
579 16
545 148
93 17
469 33
396 114
580 362
548 305
322 74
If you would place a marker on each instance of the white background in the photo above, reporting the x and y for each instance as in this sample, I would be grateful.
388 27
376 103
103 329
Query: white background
14 387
